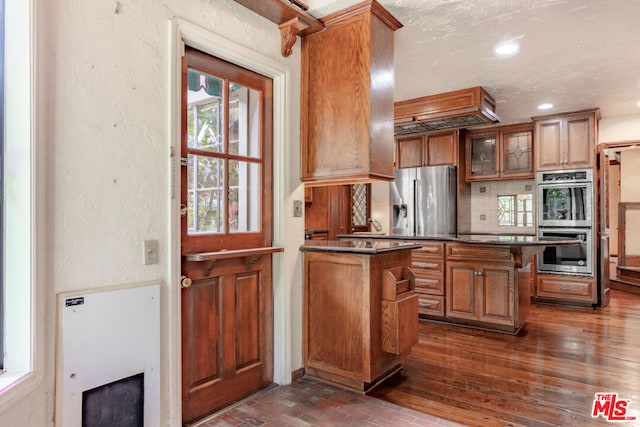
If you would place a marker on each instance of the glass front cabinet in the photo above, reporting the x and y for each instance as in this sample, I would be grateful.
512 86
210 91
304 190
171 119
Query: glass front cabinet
504 152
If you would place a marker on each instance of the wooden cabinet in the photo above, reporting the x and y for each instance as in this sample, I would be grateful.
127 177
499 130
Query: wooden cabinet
431 149
428 268
480 291
484 288
498 153
330 209
566 141
358 326
347 97
560 288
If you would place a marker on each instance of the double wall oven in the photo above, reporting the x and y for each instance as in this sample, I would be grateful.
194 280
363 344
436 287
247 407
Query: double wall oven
565 211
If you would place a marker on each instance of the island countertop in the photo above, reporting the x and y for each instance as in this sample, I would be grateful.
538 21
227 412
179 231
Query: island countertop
485 239
361 246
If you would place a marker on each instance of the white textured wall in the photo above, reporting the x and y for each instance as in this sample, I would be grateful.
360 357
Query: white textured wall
619 129
103 105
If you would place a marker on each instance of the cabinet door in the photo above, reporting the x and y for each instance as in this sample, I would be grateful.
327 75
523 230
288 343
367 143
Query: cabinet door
482 157
410 152
461 295
549 144
441 149
496 294
339 210
580 142
517 154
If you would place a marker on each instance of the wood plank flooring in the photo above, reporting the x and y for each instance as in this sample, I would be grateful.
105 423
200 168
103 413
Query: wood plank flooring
546 376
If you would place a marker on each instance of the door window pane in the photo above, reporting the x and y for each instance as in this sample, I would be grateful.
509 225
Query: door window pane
244 196
205 113
205 201
244 121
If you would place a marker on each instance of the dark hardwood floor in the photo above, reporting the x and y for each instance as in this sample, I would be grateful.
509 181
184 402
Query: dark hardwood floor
547 375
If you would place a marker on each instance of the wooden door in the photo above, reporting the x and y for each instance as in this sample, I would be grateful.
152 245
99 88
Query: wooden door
226 194
441 149
517 154
580 142
461 298
604 266
410 152
482 156
496 294
549 150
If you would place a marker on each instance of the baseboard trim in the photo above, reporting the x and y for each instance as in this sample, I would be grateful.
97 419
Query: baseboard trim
297 374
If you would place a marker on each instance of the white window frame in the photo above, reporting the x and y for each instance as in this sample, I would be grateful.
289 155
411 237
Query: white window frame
23 334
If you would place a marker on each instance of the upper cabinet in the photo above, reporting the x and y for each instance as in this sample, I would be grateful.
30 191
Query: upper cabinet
347 97
566 141
432 149
504 152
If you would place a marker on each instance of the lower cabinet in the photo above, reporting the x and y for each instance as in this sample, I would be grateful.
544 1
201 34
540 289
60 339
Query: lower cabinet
481 292
360 315
578 290
484 288
428 264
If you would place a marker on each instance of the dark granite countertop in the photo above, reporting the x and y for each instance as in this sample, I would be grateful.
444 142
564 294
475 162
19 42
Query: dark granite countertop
486 239
363 246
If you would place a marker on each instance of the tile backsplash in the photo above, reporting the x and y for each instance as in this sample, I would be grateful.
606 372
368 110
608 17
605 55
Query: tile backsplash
484 205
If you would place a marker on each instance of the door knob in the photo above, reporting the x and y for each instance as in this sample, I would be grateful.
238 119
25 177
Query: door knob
185 281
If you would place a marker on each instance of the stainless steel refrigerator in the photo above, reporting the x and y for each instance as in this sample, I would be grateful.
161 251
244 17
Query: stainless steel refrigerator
423 201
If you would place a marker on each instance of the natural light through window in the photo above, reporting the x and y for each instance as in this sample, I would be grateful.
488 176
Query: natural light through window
223 179
515 210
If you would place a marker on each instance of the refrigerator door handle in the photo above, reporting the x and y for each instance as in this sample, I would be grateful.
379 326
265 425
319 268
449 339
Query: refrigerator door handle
417 203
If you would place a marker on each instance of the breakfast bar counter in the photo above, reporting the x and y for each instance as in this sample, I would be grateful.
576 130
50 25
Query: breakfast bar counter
480 281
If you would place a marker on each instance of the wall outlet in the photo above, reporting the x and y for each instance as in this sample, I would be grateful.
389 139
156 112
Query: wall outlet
297 208
150 250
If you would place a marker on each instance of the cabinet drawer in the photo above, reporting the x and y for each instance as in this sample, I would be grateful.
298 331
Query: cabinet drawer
559 288
433 285
485 253
429 249
420 265
431 305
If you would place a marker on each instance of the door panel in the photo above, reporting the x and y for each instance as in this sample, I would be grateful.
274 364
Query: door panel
226 335
461 295
226 193
497 289
248 320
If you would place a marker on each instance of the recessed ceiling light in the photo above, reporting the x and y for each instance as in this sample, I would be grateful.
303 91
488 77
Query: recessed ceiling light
508 48
545 106
638 103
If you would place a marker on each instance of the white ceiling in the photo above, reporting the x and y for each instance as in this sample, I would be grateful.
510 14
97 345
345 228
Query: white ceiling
575 54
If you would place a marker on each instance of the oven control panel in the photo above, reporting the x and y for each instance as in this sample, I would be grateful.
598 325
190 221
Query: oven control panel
566 176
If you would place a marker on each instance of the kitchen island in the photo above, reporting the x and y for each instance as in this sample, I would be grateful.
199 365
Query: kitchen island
360 310
479 281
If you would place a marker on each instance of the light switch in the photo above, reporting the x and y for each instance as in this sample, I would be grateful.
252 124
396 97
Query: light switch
150 252
297 208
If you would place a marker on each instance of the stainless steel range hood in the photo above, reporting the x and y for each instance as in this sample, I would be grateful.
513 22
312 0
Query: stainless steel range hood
458 109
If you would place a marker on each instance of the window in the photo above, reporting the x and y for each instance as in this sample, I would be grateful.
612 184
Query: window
226 154
18 203
2 187
515 210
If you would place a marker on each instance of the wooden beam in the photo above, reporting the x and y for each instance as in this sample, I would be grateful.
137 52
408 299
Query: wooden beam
290 16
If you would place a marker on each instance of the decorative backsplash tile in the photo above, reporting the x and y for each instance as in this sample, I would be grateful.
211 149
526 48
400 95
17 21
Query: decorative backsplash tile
484 205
